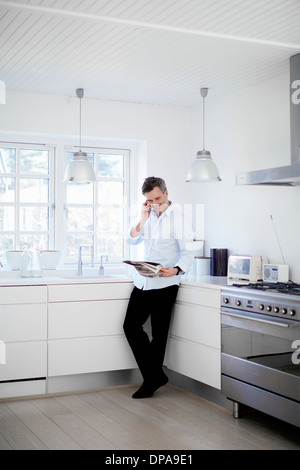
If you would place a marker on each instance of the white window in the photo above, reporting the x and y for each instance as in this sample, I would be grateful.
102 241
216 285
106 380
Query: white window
26 196
39 210
96 214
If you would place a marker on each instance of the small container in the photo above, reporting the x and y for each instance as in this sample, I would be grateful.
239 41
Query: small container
25 264
36 267
218 261
202 266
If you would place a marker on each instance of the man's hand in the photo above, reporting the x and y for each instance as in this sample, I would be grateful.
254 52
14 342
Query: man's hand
168 272
145 212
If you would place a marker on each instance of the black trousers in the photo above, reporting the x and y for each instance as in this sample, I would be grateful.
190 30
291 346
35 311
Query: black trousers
149 353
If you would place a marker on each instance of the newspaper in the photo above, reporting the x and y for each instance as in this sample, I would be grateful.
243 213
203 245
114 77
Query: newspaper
146 268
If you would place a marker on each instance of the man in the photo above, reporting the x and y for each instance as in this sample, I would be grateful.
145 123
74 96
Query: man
162 229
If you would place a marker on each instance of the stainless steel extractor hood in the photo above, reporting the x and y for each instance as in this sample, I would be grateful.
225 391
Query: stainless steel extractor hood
285 175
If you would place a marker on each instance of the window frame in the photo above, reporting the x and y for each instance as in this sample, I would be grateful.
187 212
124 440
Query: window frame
17 204
96 150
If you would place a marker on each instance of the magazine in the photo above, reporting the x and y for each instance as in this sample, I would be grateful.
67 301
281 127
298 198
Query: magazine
146 268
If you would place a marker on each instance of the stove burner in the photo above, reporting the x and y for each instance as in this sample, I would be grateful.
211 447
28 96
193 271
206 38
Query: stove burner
281 287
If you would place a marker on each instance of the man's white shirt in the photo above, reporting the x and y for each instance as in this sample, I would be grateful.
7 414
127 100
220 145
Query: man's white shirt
168 240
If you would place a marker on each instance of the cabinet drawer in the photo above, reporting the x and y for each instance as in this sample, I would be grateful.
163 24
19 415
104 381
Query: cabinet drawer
79 319
23 295
88 355
194 360
196 323
81 292
199 296
24 361
23 322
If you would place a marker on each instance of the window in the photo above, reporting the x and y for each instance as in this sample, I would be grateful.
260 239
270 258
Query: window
39 210
95 214
26 196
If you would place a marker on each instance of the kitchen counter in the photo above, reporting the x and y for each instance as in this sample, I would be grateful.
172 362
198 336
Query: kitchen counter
66 331
11 278
205 281
50 280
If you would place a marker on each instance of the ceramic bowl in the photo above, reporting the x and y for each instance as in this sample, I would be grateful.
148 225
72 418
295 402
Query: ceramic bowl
50 259
13 259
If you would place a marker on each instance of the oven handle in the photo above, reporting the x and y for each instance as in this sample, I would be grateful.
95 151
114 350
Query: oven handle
268 322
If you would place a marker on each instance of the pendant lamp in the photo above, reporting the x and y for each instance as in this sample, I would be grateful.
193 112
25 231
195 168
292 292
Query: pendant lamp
203 169
80 170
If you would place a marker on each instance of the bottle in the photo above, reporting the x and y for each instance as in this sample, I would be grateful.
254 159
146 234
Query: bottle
26 261
36 267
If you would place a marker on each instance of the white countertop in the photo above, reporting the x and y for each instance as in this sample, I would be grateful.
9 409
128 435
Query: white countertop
12 278
205 281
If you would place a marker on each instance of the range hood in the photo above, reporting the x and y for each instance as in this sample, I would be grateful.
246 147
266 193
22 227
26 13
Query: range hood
285 175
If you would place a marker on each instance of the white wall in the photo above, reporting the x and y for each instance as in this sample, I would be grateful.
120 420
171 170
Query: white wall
249 130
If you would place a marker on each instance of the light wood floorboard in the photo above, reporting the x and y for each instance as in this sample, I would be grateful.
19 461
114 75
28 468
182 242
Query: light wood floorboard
111 420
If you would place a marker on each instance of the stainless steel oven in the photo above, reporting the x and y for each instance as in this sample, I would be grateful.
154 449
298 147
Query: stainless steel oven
260 360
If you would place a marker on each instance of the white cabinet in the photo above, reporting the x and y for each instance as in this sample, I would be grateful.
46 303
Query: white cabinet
194 347
85 328
69 329
23 331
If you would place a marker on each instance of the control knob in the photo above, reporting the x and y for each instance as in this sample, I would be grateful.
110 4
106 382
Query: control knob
276 309
292 312
261 307
284 311
238 302
269 308
226 301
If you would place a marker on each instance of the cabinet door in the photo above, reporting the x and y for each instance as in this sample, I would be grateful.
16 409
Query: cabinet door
23 322
26 360
196 323
194 360
87 355
81 292
199 296
79 319
23 295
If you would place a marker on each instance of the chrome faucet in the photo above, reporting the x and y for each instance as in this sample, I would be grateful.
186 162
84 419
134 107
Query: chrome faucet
101 267
80 263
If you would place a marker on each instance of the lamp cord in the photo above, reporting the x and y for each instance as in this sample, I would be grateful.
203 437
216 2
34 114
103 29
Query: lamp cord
80 124
203 123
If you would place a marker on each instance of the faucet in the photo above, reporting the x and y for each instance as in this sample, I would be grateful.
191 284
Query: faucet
101 267
80 263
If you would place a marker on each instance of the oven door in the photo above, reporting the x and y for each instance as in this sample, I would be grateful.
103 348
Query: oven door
260 354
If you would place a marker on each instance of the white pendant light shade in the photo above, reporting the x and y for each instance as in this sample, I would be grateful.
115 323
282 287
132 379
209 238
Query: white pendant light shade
79 169
203 169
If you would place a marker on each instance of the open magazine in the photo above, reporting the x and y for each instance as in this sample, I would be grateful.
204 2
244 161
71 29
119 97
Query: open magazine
146 268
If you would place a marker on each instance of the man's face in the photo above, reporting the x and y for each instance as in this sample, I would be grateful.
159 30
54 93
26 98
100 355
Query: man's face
157 200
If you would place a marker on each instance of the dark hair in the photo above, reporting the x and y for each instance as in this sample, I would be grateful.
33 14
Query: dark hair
153 182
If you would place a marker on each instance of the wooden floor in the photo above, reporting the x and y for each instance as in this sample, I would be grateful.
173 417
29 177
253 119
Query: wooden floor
110 419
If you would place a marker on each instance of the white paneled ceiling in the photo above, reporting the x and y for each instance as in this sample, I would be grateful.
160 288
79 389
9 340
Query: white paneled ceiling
148 51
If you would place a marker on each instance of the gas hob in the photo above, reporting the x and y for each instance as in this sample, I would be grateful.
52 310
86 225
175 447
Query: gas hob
276 299
281 287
